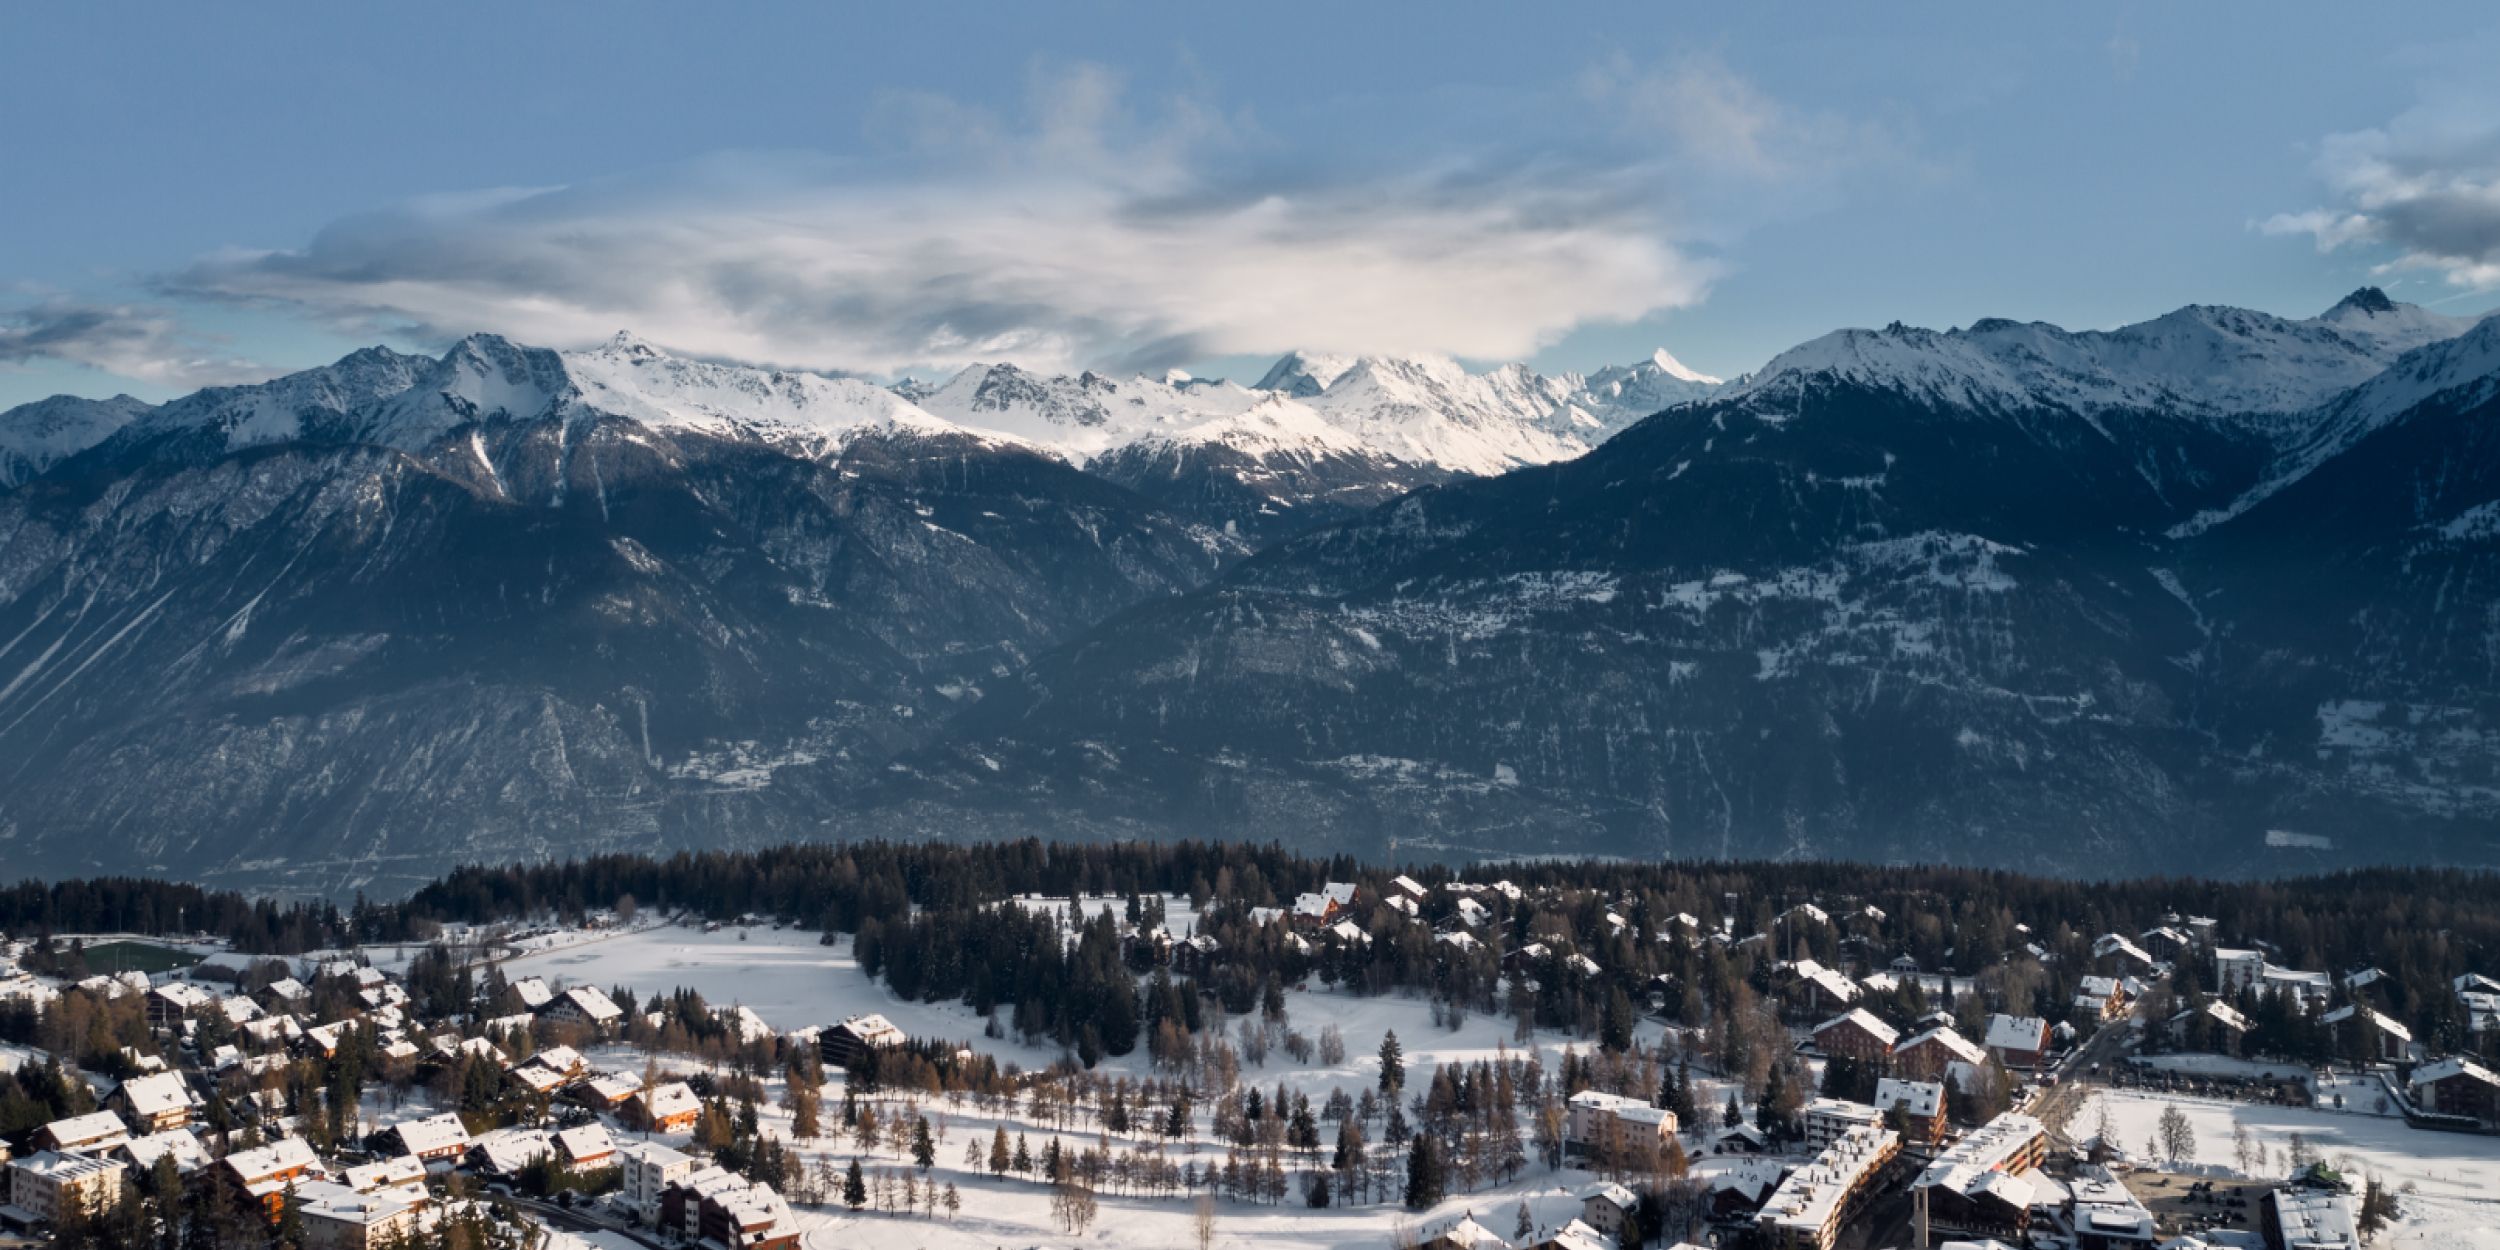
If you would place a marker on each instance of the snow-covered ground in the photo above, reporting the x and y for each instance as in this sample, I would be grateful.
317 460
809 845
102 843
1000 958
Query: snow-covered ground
1179 918
793 980
2363 1093
2447 1165
2453 1178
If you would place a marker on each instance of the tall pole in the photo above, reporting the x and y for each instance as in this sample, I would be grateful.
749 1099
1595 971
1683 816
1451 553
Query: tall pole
1918 1197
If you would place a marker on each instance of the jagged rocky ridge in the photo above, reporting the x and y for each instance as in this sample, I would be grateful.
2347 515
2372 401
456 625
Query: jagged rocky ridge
2006 594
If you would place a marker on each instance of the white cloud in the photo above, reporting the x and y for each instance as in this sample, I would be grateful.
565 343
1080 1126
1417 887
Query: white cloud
1710 121
2425 187
1081 234
138 341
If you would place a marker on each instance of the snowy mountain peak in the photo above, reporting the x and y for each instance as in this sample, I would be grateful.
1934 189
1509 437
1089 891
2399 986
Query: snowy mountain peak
36 436
629 378
1669 366
2203 359
2369 301
1303 374
627 344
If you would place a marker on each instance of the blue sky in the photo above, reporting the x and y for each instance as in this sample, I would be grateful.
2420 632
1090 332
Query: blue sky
197 195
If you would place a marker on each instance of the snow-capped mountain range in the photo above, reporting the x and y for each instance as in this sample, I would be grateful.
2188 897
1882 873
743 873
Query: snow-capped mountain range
1317 436
2202 360
2096 601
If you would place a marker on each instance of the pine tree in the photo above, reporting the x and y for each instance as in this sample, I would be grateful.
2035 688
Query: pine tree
855 1186
290 1229
1426 1177
999 1157
923 1146
1392 1064
803 1100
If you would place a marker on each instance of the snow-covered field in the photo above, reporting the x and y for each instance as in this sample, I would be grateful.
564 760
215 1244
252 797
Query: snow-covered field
792 980
2455 1177
2461 1165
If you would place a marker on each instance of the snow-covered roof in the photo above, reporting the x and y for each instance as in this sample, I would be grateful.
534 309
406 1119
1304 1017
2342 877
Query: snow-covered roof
94 1129
539 1080
673 1099
588 1142
592 1002
396 1173
180 1145
508 1150
2314 1219
2220 1012
1577 1235
1468 1233
287 1154
184 995
1918 1099
63 1168
1629 1110
1966 1165
160 1094
2355 1010
873 1029
2017 1032
1866 1021
1806 1200
614 1086
563 1060
338 1204
534 992
1836 986
1612 1193
441 1131
2452 1067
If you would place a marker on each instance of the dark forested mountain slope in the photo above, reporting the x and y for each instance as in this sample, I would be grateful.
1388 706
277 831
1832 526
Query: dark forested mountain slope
338 631
1878 603
2212 593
